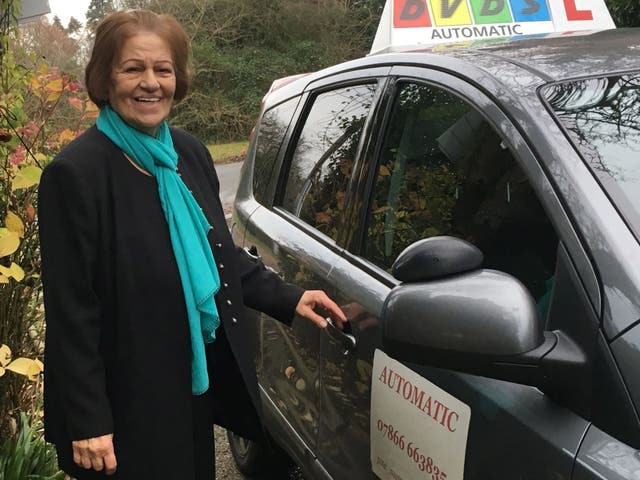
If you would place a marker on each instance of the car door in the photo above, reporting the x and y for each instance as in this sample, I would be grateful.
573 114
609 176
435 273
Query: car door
299 236
448 162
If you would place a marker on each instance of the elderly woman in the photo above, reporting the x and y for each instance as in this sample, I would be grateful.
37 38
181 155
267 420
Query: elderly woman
147 344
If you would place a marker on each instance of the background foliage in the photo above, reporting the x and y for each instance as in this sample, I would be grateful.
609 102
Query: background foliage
41 110
241 46
626 13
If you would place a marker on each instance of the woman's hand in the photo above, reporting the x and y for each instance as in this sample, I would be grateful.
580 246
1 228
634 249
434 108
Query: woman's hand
96 453
313 299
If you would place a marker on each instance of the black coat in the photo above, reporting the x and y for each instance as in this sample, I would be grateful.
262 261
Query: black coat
117 351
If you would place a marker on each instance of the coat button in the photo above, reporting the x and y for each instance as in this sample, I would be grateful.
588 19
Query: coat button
221 266
225 285
229 302
218 245
234 320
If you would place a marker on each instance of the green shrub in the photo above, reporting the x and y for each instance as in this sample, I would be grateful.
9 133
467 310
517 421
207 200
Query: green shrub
26 456
626 13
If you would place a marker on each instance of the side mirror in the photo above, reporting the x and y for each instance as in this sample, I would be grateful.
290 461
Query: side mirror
484 312
436 257
451 314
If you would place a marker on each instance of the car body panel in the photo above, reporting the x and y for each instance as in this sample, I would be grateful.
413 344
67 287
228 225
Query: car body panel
502 408
625 349
602 456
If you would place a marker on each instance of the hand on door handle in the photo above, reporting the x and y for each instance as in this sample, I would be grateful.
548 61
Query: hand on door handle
347 340
317 299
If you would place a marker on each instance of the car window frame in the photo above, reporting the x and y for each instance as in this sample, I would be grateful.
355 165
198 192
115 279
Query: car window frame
378 76
269 190
308 185
500 120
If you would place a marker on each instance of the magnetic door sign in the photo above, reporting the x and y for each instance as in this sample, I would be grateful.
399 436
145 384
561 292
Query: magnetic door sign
418 431
415 22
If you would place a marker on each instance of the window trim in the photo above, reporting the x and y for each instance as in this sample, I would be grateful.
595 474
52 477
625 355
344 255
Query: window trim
398 84
308 184
269 190
507 130
292 142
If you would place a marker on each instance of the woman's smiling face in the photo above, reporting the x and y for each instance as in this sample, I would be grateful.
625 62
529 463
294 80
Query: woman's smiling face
143 82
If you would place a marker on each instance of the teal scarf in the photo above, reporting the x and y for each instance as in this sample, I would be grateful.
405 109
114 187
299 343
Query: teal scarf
188 229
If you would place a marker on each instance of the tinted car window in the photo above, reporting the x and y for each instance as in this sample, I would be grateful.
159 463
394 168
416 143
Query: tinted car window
324 154
602 117
271 132
444 171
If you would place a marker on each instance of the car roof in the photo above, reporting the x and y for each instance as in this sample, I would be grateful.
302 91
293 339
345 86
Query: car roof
568 56
521 65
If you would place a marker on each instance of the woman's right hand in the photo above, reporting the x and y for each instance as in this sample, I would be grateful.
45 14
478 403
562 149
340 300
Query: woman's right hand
96 453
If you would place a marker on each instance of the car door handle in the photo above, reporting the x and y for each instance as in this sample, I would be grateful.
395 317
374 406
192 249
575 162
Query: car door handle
346 340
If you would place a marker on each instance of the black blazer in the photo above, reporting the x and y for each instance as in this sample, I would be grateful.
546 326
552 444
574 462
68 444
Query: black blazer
117 351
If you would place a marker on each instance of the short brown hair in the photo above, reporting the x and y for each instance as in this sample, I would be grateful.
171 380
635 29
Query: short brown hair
111 34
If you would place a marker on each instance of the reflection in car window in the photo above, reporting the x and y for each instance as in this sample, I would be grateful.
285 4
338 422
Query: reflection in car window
444 171
602 116
323 159
271 132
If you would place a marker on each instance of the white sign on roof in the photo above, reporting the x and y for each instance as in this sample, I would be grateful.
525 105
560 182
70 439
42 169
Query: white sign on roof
32 10
432 22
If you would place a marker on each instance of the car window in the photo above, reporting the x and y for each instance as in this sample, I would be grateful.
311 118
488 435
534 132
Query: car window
602 117
443 170
324 154
271 131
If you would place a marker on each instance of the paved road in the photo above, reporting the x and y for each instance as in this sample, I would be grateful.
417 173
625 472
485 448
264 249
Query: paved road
225 466
229 176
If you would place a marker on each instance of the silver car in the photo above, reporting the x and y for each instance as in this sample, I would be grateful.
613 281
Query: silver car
476 213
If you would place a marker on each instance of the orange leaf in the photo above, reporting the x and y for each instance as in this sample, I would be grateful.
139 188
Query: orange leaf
54 86
14 223
27 367
31 211
323 217
91 110
76 103
14 271
36 87
53 96
66 136
35 370
9 243
384 171
5 355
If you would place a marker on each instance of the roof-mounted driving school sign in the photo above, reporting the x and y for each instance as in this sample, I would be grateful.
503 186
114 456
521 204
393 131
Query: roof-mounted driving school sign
432 22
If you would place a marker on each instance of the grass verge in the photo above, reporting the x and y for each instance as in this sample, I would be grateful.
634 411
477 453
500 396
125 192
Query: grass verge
228 152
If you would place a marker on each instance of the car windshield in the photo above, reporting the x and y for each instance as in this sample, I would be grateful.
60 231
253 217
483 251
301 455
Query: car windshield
602 117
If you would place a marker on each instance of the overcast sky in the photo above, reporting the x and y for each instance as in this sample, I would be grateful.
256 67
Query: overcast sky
66 9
